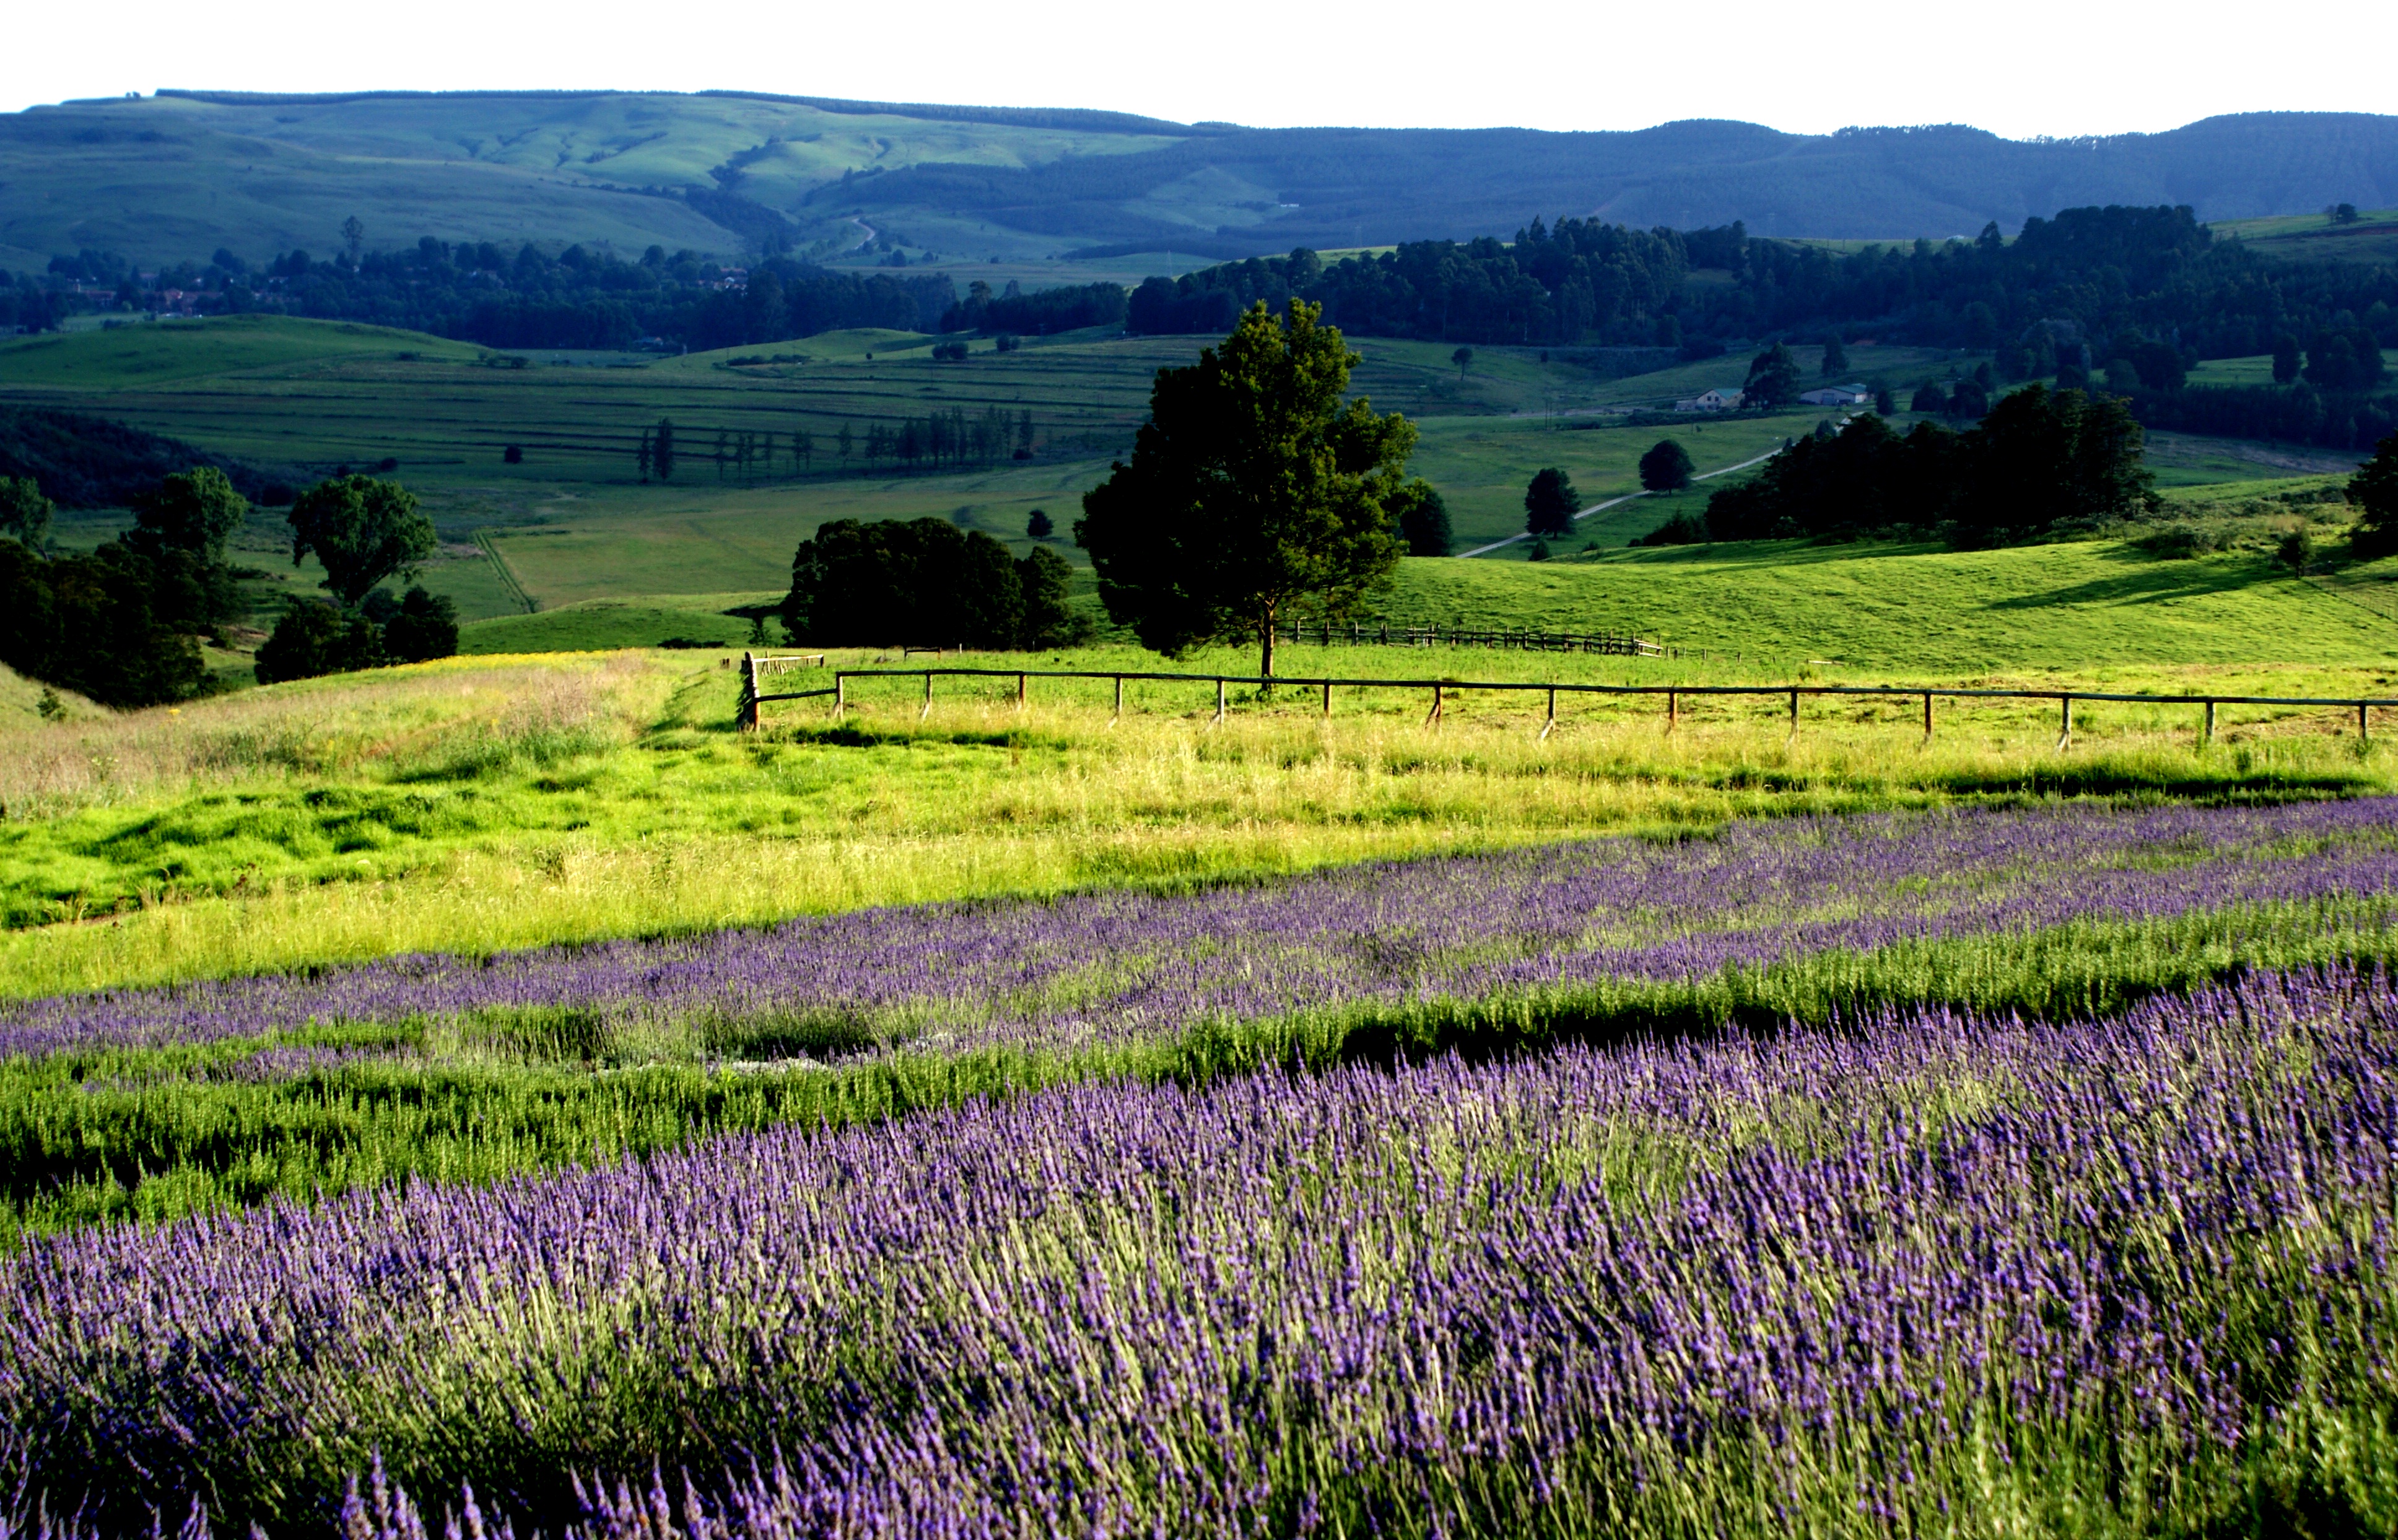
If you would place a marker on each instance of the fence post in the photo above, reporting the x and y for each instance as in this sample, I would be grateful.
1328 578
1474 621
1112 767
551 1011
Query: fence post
2208 734
1794 714
1119 710
840 691
2363 731
1219 702
2065 721
928 695
1327 700
1019 692
1927 716
1673 709
1434 720
745 714
1550 726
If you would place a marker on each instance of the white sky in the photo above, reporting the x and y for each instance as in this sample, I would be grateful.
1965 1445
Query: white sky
2033 67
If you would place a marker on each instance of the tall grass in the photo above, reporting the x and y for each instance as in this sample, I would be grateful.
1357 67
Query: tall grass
574 800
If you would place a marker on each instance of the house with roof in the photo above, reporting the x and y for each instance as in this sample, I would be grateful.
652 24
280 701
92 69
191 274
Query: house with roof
1837 395
1714 400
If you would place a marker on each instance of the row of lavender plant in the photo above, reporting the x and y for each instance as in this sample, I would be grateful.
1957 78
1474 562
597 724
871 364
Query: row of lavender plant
1109 967
1936 1271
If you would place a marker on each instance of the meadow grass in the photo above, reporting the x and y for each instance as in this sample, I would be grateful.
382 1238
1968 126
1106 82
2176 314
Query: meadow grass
2078 607
481 804
155 1135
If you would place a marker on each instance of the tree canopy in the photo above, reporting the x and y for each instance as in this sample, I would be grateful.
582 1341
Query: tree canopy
24 512
2039 460
1250 489
1772 379
1422 518
1666 468
869 582
362 529
2374 489
119 625
1549 502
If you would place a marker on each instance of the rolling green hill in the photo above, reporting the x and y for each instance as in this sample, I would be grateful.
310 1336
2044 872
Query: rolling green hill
188 172
2074 606
141 354
2317 237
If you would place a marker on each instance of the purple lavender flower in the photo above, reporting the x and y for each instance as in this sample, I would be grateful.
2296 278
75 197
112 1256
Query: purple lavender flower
1927 1258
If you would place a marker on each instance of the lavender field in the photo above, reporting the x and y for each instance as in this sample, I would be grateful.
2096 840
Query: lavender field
2007 1172
1121 965
1937 1272
149 1106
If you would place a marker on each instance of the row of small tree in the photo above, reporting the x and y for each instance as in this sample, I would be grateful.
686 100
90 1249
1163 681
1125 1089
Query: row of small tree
943 440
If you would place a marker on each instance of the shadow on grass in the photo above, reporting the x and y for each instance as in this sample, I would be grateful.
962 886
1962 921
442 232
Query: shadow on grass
2149 581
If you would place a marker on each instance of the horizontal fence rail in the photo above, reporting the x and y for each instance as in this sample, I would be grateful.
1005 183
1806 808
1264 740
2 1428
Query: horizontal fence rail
1443 691
1358 634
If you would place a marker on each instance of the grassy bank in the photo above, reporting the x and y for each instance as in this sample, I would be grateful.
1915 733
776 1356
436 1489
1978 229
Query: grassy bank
481 804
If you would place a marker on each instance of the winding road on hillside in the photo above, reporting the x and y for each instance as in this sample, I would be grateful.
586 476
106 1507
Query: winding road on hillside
1602 507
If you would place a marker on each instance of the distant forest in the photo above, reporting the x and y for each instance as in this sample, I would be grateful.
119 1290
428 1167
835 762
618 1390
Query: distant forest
2139 294
2135 295
502 299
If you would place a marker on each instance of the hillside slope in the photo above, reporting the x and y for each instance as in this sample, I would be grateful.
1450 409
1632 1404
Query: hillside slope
177 175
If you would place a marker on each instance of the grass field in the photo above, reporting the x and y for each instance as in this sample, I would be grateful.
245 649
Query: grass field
2258 369
495 802
573 523
1778 604
2314 238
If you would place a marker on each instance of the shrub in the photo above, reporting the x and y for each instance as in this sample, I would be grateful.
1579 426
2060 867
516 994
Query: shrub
425 626
1682 529
316 636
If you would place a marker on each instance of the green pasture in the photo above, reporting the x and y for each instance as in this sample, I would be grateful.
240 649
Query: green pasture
2256 369
1481 465
2080 606
2314 238
154 353
596 625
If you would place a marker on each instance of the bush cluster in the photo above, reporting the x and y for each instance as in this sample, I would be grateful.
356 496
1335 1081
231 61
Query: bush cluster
925 582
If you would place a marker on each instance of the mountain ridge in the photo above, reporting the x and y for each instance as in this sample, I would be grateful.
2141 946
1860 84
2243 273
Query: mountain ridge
173 176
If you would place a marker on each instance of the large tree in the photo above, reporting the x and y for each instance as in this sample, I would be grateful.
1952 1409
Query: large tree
1250 488
2374 492
24 512
1772 379
1667 467
1549 502
362 529
1422 515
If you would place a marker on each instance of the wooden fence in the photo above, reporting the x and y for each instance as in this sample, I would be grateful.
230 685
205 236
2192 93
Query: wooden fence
1442 691
1358 634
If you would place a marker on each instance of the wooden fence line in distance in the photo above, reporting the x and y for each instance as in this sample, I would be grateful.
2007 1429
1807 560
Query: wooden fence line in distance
1442 688
1357 633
